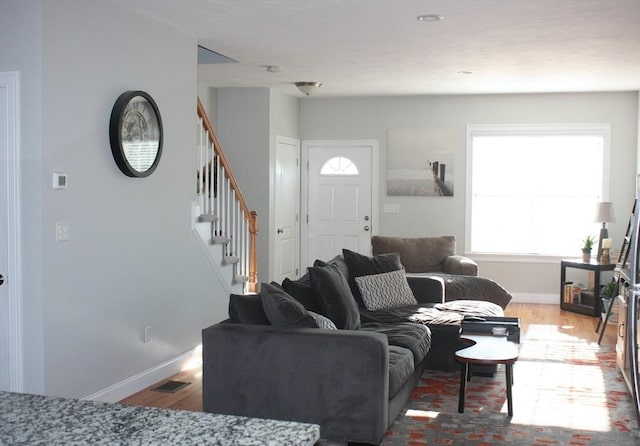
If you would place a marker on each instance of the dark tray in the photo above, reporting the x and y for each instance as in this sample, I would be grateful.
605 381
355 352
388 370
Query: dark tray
484 325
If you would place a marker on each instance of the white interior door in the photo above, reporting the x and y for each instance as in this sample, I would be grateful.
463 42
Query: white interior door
10 350
339 202
287 209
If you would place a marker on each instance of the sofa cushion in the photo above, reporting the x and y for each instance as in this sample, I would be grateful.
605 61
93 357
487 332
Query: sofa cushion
414 337
283 310
361 265
247 309
333 293
385 290
302 292
417 254
401 367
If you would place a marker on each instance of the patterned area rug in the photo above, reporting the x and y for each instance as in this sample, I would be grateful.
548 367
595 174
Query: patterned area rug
566 391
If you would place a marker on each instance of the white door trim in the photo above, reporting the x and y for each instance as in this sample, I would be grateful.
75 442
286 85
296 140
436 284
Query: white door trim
11 82
304 182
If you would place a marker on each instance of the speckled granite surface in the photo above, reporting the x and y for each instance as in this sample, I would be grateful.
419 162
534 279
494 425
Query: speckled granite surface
36 420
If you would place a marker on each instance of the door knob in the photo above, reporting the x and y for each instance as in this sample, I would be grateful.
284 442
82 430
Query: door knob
1 279
279 231
366 218
366 228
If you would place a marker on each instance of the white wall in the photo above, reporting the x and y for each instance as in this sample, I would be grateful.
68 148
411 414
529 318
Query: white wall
371 118
21 50
249 119
132 260
284 121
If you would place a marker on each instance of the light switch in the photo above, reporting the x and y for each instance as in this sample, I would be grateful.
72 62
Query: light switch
62 231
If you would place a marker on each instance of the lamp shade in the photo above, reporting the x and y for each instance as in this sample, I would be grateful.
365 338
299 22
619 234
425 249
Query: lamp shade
604 212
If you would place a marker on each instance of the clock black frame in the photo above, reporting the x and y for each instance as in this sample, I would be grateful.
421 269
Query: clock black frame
115 133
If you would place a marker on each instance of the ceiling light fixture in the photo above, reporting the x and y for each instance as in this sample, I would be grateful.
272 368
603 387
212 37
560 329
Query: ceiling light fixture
273 68
430 18
466 72
307 87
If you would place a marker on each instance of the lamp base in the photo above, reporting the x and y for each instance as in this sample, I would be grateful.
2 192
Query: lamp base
604 233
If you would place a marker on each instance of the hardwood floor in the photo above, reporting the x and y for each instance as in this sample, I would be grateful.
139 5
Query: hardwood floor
549 316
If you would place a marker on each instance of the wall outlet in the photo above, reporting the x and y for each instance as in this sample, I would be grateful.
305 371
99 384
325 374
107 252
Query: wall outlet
147 335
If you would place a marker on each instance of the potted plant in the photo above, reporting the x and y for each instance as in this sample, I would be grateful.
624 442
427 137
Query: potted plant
587 245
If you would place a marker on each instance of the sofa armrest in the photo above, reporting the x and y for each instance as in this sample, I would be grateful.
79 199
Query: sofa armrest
426 288
457 264
335 378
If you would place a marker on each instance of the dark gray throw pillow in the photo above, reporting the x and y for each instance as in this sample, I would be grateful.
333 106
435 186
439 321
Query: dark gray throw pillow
333 293
361 265
302 292
282 310
247 309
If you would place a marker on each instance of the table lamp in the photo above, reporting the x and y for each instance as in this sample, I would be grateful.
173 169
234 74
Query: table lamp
604 215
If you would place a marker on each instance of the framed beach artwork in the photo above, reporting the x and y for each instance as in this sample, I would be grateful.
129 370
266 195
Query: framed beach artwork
420 163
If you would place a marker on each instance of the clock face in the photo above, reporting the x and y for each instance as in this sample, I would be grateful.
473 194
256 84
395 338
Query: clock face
136 133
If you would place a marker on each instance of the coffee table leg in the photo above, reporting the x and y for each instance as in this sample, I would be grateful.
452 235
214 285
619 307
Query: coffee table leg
464 373
509 377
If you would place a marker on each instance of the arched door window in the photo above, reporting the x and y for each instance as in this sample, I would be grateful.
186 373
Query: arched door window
339 165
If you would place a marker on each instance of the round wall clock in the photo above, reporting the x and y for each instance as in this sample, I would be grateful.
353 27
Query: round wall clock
135 132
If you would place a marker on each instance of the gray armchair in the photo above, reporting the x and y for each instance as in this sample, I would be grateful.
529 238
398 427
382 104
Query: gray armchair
426 254
435 257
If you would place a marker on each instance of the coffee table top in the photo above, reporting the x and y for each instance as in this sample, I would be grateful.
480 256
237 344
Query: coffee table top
488 349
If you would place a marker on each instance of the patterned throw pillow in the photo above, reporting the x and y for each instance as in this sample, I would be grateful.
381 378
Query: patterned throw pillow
385 290
361 265
323 322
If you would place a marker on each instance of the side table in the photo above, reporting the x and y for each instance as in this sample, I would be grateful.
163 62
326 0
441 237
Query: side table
487 350
589 302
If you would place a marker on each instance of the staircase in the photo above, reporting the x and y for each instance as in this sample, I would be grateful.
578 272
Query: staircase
220 216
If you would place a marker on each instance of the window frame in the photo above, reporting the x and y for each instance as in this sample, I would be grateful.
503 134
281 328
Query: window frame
474 130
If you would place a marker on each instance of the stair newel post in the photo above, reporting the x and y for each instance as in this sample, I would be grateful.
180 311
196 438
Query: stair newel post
253 252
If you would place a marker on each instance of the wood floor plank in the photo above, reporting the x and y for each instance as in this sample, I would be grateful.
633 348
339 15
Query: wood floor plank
551 317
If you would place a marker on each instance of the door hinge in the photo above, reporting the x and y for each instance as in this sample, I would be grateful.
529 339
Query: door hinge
297 271
307 218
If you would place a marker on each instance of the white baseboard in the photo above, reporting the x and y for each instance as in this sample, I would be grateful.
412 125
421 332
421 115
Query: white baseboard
535 298
146 378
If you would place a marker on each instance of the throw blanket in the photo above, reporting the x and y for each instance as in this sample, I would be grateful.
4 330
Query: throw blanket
474 288
449 313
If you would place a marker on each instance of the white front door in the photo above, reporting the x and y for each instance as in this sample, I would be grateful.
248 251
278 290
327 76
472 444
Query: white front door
10 350
340 199
287 209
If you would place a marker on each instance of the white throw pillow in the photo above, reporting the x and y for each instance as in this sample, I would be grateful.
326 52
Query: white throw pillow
385 290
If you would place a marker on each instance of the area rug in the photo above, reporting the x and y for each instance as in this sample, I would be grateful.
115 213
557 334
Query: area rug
567 391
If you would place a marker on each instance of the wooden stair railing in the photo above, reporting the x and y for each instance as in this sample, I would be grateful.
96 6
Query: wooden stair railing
222 203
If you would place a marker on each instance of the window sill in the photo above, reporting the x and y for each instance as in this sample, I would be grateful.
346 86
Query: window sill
517 258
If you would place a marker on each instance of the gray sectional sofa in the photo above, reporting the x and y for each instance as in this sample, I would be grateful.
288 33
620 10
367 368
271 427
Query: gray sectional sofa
272 359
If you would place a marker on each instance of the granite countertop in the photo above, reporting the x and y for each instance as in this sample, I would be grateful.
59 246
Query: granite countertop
27 419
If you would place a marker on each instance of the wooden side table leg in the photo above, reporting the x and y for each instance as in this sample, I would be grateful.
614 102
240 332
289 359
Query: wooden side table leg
509 377
464 373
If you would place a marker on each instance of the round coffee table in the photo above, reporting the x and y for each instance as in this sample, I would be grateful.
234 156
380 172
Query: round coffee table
487 350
